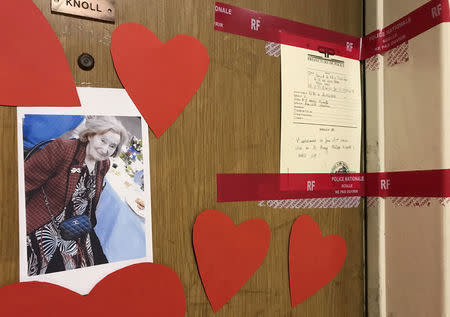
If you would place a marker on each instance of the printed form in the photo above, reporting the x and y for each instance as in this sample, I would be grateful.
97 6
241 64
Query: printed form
320 112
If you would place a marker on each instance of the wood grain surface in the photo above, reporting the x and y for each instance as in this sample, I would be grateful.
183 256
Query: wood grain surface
232 125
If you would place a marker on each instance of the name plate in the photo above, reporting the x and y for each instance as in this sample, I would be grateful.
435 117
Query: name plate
96 9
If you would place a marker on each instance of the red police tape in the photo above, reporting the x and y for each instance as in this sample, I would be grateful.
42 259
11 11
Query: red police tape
253 187
232 19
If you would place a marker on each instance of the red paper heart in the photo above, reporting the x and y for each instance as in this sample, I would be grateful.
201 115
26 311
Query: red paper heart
34 69
161 78
227 255
314 260
145 289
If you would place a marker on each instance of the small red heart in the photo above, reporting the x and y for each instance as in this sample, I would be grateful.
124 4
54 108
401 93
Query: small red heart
227 255
34 69
314 260
145 289
160 78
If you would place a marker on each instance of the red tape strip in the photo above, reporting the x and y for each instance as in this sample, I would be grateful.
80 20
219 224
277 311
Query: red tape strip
420 20
235 20
262 26
253 187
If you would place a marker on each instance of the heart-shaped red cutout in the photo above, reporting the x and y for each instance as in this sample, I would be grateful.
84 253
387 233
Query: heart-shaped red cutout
34 69
314 260
227 255
160 78
145 289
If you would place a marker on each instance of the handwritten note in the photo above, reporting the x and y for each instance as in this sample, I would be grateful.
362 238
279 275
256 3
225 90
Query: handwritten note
316 148
321 112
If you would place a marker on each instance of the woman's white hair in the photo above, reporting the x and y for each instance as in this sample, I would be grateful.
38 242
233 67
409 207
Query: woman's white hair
101 125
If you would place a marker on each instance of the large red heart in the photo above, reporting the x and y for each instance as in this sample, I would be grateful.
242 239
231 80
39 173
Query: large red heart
314 260
227 255
161 78
34 69
145 289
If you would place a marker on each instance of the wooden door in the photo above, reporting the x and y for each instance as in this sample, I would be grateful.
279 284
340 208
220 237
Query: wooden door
232 125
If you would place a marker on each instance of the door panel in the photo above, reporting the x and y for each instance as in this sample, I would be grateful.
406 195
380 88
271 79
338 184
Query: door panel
232 125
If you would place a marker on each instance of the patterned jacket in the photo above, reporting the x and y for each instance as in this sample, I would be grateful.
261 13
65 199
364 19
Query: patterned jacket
57 168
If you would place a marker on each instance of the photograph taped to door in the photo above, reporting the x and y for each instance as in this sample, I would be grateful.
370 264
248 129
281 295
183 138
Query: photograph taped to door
84 190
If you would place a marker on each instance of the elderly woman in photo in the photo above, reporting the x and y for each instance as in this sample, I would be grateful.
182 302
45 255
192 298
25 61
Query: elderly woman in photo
63 183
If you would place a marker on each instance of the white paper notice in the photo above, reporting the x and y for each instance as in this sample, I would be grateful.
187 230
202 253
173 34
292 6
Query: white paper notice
320 112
